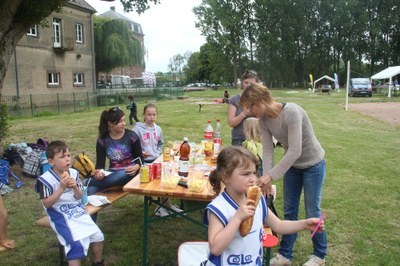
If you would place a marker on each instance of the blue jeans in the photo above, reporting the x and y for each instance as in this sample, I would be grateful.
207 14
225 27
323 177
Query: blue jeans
117 178
312 179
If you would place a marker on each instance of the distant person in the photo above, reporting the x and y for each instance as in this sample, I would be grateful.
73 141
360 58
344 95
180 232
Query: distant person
236 114
60 190
5 243
303 165
132 107
226 97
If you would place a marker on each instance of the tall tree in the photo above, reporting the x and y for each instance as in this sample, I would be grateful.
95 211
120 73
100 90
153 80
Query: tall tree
17 16
115 45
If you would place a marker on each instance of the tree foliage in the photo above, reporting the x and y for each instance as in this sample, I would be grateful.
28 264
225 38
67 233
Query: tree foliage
287 40
115 45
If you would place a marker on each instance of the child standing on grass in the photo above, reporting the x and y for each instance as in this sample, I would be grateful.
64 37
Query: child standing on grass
133 110
5 243
60 191
236 169
151 139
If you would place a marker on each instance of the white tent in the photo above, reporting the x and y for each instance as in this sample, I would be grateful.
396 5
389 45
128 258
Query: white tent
321 78
388 73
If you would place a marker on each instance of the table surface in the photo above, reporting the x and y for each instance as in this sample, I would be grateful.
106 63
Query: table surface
154 188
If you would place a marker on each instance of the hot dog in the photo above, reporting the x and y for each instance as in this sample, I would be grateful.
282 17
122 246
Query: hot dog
253 193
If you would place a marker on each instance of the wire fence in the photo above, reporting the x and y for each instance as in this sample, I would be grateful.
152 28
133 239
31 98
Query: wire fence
42 104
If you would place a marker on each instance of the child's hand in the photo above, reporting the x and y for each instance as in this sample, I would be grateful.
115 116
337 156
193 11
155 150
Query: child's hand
99 174
246 210
145 154
132 169
72 183
64 180
312 222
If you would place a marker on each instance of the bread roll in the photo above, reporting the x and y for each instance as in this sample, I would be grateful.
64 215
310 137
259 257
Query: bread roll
253 193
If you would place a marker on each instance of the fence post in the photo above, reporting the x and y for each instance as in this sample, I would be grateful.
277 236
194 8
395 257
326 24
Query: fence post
87 97
106 100
58 103
31 101
73 99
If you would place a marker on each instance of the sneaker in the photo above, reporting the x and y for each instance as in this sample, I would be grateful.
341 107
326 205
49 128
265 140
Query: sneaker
175 209
99 263
279 260
314 261
161 212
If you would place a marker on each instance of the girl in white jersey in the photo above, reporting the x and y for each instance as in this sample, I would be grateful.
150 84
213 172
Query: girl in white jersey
236 169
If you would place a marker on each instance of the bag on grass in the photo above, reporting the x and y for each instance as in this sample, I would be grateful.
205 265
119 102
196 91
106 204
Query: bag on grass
13 156
31 166
4 170
84 165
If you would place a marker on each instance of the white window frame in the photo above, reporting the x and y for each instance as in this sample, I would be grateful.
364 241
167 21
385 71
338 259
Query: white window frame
33 31
79 79
57 32
78 32
53 78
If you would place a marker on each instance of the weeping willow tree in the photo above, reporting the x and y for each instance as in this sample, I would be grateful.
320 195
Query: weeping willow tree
115 45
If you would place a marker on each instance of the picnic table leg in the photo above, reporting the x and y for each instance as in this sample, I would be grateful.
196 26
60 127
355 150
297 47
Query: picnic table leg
200 106
145 230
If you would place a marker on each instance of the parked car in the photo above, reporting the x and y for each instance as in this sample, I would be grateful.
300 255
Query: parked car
102 85
360 86
326 88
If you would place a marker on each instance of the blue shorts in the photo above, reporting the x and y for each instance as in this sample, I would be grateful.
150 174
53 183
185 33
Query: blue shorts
78 249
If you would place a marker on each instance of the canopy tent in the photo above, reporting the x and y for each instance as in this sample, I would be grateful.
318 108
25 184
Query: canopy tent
321 78
388 73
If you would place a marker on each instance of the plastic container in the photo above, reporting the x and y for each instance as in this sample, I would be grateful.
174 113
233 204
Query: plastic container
217 137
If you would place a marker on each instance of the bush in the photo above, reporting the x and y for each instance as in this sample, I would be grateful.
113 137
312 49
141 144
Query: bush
3 121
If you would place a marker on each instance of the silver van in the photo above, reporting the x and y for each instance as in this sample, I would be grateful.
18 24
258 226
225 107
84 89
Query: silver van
360 86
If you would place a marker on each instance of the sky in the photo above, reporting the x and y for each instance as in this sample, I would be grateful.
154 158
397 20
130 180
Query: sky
168 28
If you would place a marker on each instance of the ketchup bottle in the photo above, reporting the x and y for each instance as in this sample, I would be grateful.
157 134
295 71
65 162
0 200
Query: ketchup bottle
184 151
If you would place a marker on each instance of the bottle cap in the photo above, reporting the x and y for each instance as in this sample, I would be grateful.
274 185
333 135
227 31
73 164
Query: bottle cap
209 121
185 139
218 120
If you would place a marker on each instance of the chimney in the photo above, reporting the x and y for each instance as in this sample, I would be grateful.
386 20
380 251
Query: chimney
112 8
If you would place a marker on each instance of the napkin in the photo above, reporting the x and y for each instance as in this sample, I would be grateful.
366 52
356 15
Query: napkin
97 200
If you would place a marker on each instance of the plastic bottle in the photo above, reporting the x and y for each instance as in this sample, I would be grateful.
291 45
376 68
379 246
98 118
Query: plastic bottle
184 151
217 137
167 154
209 131
208 138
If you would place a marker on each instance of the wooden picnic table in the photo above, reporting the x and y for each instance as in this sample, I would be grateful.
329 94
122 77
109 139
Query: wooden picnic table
154 189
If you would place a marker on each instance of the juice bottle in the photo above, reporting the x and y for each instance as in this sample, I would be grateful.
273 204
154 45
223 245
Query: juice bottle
167 154
184 151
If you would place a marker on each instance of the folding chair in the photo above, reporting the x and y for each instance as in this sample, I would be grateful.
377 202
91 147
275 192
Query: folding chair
192 253
269 241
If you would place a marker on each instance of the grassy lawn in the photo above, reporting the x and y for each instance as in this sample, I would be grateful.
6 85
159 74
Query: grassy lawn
361 192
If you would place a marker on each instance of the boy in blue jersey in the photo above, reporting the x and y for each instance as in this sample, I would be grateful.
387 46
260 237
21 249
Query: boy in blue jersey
60 191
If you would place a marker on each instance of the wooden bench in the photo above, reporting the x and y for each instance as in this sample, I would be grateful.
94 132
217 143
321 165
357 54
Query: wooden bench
113 194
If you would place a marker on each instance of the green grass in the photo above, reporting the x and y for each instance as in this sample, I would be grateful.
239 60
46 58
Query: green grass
361 192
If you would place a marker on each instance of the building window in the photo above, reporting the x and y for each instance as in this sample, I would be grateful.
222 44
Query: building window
53 78
33 31
57 32
79 33
78 79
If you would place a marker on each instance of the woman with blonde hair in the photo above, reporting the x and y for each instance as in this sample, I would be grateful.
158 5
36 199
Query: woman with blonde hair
303 164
